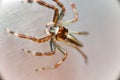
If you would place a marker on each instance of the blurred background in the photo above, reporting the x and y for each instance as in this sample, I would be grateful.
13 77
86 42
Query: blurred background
101 18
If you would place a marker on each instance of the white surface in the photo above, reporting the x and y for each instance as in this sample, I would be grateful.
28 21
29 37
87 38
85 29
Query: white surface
99 17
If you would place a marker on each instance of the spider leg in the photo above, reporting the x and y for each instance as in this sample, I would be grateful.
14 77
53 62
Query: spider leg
73 42
39 53
82 53
56 13
44 39
59 62
79 33
75 16
62 13
52 52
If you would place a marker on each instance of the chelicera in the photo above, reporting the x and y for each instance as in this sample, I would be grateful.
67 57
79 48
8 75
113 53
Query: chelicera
56 31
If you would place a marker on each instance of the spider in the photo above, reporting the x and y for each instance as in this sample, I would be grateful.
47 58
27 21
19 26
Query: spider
55 32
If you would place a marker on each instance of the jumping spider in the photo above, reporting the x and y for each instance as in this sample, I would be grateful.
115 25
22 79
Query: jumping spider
56 32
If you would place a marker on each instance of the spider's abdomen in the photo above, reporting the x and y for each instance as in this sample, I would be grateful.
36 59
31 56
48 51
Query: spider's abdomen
62 33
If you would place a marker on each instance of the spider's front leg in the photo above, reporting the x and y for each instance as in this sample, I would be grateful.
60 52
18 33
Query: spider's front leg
75 16
62 13
30 37
56 11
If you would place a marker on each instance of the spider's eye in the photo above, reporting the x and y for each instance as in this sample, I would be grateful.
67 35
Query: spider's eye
51 24
47 25
50 28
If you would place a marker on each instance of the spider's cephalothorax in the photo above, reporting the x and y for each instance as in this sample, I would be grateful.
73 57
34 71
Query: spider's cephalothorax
62 33
56 32
59 32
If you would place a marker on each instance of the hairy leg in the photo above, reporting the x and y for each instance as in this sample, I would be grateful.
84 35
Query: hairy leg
75 16
79 33
30 37
62 13
59 62
52 52
83 54
56 11
40 53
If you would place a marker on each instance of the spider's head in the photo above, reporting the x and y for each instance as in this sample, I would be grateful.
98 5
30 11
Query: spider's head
51 29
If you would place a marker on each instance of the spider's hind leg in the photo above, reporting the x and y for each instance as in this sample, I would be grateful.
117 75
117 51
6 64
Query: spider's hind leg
50 53
59 62
39 53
